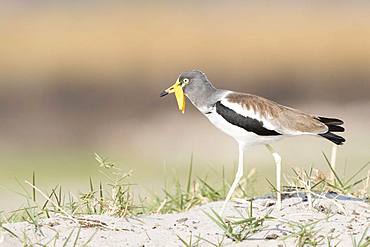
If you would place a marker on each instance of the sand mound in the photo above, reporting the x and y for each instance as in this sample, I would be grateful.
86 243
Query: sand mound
333 217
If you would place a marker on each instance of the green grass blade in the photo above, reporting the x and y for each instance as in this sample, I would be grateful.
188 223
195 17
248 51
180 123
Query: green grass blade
47 201
68 238
91 185
354 184
317 184
358 172
26 192
60 197
10 232
90 238
77 236
188 184
214 192
333 171
223 182
184 242
364 236
217 219
272 186
101 198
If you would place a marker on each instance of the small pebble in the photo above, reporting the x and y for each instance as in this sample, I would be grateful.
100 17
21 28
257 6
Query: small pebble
181 220
271 236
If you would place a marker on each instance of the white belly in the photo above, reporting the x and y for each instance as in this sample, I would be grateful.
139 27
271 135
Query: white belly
239 134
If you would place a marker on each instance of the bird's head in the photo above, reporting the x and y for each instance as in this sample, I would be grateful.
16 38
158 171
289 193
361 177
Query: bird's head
187 83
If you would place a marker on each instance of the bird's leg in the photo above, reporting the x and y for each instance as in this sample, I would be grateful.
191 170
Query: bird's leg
277 159
239 174
333 159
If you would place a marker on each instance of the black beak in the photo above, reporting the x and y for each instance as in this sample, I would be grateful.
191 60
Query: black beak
163 93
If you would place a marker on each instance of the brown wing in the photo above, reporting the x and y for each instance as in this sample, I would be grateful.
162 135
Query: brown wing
284 120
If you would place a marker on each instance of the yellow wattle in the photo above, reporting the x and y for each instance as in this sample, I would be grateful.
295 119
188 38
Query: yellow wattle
180 97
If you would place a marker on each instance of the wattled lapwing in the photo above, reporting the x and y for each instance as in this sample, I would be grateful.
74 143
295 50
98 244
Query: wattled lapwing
250 119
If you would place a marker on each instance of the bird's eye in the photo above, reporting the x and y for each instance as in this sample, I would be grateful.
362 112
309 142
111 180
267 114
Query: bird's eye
186 80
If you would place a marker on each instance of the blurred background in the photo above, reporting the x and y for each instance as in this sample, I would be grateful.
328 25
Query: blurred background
79 77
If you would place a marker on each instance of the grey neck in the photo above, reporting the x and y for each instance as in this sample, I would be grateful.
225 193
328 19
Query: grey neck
204 96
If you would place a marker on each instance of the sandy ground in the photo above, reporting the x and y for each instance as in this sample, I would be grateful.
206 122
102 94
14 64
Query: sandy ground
338 218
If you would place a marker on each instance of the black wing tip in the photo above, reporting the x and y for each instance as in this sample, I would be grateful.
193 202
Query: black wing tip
333 138
335 128
333 124
330 121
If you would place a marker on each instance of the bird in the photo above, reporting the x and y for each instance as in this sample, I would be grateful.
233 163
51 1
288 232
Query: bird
250 120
